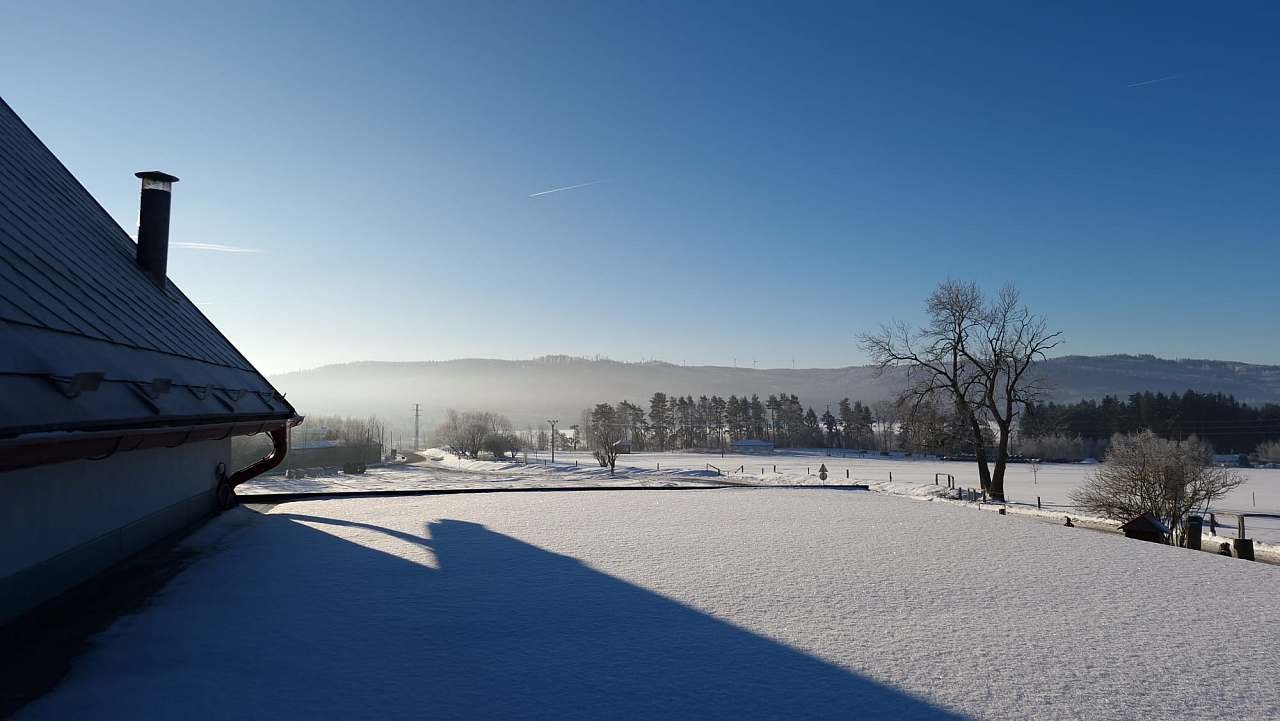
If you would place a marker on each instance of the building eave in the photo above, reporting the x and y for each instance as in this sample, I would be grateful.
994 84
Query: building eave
40 449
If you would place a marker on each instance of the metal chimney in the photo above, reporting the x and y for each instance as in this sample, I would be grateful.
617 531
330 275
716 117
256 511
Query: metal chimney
153 223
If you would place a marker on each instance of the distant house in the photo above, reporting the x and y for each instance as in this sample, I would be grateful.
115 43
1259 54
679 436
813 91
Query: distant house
118 398
748 445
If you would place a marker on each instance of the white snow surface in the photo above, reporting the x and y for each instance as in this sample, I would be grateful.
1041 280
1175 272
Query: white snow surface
910 476
726 603
443 471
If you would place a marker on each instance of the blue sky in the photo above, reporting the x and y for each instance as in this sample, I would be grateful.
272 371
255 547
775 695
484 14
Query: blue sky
776 177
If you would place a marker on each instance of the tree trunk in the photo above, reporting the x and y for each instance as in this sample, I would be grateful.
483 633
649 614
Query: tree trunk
1002 457
980 451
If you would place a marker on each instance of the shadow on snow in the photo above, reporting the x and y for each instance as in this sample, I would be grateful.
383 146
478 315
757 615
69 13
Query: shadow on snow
306 624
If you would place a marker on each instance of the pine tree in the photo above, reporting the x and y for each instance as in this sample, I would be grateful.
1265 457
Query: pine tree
774 406
829 422
716 419
812 430
660 419
756 411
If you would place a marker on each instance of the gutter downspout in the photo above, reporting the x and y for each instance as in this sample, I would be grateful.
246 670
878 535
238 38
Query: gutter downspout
226 490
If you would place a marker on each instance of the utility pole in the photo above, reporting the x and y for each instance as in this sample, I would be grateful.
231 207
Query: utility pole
553 438
417 412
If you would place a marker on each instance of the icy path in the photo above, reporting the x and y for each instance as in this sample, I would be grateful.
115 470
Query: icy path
733 603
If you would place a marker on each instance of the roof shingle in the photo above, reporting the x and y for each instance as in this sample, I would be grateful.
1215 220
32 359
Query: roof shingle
73 300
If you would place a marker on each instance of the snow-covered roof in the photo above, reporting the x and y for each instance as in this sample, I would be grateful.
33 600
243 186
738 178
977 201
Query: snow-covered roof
90 342
705 604
1145 522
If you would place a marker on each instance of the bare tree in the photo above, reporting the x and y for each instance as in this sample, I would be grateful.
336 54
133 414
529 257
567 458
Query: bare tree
464 434
448 433
886 420
502 443
978 354
1013 339
606 433
1145 473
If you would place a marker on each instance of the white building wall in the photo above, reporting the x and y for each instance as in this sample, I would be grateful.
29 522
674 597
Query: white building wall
61 523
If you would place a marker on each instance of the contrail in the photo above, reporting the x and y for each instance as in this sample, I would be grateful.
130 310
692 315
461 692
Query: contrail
1157 80
567 187
215 247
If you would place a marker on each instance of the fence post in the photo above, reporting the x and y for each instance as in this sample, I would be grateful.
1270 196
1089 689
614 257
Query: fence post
1037 503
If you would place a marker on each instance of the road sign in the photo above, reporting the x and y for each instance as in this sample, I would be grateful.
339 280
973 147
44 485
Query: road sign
822 471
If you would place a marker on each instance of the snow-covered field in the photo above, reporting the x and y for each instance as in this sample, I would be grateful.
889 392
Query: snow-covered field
732 603
1051 483
443 471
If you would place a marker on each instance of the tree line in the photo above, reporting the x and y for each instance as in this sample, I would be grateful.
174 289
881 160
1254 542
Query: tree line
713 422
1227 424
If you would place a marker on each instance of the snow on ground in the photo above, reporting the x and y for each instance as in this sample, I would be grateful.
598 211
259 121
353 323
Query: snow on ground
910 477
442 471
1052 483
730 603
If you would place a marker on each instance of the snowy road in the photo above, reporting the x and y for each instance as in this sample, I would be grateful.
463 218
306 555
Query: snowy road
730 604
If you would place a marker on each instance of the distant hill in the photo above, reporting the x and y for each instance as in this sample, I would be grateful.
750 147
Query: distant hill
559 386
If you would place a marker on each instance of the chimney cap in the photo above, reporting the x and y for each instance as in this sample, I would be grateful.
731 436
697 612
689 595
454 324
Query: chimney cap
156 175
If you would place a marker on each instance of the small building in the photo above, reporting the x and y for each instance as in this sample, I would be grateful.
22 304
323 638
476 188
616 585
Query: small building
118 397
752 446
1145 528
1230 460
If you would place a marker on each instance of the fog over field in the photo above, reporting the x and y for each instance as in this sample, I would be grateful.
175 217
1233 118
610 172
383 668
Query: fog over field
530 391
